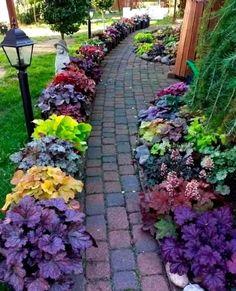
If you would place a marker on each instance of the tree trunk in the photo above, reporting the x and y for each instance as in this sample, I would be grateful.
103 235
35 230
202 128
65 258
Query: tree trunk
103 19
34 9
11 13
62 35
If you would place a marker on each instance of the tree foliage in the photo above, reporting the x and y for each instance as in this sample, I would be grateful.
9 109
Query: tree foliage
65 16
214 90
102 5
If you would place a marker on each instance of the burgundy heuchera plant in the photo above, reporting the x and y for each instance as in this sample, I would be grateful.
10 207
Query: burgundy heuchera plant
41 244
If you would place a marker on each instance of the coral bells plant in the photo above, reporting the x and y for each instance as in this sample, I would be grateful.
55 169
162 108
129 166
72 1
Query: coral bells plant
91 52
54 96
66 128
49 151
90 68
78 79
185 164
42 183
176 89
205 247
77 112
173 192
41 244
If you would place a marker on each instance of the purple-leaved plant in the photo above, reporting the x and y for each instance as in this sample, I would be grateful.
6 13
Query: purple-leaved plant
176 89
205 247
41 244
90 68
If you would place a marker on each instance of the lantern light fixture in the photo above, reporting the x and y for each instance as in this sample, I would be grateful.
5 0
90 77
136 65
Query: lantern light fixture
18 48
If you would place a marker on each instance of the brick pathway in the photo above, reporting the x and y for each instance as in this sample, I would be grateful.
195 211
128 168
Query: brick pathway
126 258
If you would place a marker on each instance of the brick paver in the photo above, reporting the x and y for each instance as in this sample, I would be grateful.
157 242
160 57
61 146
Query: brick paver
126 257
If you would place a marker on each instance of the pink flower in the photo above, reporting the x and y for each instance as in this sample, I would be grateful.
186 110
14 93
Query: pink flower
175 154
189 161
191 190
207 163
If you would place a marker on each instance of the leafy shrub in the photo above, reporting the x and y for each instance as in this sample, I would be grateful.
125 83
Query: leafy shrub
143 37
82 84
79 113
173 192
64 127
49 151
112 32
144 48
41 244
54 96
200 136
160 148
91 52
42 183
159 129
165 159
176 89
90 68
166 107
223 168
204 247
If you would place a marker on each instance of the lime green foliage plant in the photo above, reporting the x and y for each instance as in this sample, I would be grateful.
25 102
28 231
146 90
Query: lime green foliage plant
143 37
160 148
144 48
66 128
214 90
200 136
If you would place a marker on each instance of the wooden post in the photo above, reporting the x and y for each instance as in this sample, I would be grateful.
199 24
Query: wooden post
11 12
188 38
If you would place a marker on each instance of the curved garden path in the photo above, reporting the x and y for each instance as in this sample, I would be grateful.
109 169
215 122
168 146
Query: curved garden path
126 257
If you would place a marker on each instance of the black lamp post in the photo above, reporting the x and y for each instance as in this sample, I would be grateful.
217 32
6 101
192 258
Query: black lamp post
18 48
91 13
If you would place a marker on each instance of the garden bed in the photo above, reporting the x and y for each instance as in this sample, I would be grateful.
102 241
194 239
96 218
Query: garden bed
187 172
159 45
42 211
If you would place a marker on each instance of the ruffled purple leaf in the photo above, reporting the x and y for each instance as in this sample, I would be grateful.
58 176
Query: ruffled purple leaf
16 255
206 256
190 232
14 275
231 264
49 269
183 214
214 280
191 249
34 235
63 284
207 220
55 203
179 266
74 216
170 250
51 245
38 284
79 239
25 213
224 217
49 219
231 246
16 238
